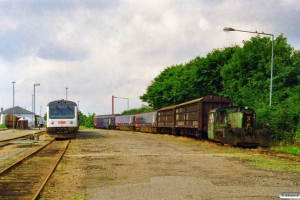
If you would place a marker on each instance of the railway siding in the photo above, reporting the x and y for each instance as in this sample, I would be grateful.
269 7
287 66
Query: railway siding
25 179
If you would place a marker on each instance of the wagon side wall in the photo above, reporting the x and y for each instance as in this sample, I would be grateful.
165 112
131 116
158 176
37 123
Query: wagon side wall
194 114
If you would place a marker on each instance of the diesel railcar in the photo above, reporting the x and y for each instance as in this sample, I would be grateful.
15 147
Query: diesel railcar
62 119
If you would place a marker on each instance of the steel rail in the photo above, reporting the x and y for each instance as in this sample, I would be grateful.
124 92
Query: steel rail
6 141
50 173
24 158
26 178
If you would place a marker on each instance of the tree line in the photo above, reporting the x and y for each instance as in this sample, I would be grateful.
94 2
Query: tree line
242 74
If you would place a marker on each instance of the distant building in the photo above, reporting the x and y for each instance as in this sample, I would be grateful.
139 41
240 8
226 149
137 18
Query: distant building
18 112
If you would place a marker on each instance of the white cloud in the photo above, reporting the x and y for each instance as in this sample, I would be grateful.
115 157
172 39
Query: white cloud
203 24
102 48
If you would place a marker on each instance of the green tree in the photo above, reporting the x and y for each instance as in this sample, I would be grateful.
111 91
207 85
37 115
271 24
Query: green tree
82 118
246 81
247 74
184 82
142 109
45 117
89 120
209 80
243 75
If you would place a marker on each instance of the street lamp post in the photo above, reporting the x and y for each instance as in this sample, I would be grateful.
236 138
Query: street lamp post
32 111
13 105
66 93
113 97
228 29
36 84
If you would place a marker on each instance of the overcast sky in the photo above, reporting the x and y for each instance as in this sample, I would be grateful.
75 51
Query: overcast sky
100 48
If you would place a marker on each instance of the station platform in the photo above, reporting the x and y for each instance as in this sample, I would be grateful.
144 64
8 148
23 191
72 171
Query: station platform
10 134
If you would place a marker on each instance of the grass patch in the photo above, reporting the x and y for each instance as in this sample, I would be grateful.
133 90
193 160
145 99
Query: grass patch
78 197
61 165
83 127
288 149
3 126
263 162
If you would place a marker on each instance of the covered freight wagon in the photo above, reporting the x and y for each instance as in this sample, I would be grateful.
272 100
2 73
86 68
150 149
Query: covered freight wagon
166 120
192 116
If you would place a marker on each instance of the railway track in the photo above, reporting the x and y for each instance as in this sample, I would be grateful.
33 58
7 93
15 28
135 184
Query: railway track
26 178
7 142
24 137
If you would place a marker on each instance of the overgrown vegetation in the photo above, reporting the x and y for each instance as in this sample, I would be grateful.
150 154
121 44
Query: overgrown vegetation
241 74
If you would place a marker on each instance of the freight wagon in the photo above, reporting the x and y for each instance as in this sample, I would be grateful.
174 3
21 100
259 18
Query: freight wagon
189 118
166 120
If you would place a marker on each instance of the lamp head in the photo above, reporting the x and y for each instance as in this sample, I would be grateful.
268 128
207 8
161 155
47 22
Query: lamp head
228 29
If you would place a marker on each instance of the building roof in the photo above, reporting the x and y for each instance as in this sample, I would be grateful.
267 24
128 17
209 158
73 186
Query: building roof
17 110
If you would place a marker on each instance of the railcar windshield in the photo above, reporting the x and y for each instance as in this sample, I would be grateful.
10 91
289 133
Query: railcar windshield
61 111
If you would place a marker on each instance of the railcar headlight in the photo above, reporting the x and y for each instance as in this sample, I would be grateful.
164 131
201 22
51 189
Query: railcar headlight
52 122
71 122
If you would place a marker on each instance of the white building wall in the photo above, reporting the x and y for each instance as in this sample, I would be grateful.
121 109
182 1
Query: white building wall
1 121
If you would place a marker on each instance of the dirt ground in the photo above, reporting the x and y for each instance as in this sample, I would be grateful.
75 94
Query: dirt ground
103 164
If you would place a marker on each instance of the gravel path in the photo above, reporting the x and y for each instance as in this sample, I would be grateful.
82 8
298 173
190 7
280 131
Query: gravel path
104 164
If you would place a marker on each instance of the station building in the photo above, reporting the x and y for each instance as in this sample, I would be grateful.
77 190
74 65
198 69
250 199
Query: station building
18 112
